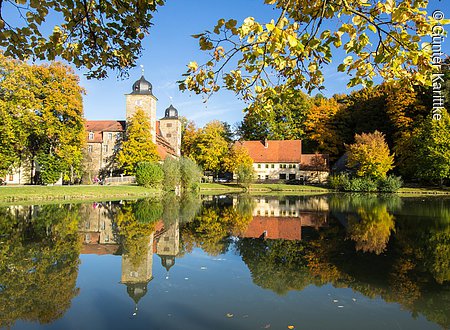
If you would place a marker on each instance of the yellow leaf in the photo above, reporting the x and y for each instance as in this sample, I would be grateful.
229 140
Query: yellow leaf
292 41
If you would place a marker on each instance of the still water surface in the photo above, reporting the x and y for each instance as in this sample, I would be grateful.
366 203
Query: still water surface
228 262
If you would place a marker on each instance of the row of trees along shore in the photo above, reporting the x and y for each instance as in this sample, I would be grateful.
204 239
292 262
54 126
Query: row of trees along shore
42 122
382 129
264 63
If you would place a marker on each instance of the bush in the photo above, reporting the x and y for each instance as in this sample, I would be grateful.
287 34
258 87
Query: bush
360 184
391 183
172 173
149 175
338 182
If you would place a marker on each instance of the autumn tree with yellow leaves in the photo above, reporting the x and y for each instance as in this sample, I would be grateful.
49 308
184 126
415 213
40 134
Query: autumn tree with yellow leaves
370 155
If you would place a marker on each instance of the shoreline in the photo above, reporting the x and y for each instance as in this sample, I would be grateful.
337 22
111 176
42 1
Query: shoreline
81 193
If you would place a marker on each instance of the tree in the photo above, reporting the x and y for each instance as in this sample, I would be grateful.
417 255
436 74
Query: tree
284 120
210 146
370 155
191 174
245 175
95 35
325 126
41 113
172 173
427 150
237 156
290 52
189 134
138 145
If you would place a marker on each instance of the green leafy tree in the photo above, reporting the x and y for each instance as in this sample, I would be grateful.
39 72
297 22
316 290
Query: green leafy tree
245 175
291 51
172 173
149 174
191 174
370 155
95 35
284 120
210 146
427 150
138 145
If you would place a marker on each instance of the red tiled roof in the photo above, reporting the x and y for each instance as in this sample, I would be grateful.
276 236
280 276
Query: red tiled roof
105 125
158 130
277 151
164 148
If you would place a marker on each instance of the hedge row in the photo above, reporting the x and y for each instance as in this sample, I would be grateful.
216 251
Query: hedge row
343 182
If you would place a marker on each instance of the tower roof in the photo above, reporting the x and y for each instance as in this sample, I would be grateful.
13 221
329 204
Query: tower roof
142 87
171 113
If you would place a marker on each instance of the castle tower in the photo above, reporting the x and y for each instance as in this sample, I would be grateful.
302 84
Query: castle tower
142 97
170 127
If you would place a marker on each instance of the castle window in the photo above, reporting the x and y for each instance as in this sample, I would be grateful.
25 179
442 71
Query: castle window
138 102
105 148
169 135
91 136
90 148
11 177
169 124
267 165
166 248
273 165
110 136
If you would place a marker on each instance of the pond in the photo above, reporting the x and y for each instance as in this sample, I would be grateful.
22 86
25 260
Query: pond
228 262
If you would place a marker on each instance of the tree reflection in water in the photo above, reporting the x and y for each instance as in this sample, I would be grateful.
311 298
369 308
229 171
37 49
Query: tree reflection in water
38 262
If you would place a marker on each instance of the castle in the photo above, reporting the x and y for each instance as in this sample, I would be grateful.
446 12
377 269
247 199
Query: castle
104 136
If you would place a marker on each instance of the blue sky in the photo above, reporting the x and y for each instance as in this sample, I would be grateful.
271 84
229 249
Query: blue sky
170 47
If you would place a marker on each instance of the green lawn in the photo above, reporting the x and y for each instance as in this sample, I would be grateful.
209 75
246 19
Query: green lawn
90 192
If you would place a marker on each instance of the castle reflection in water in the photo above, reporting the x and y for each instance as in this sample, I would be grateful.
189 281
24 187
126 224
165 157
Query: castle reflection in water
272 218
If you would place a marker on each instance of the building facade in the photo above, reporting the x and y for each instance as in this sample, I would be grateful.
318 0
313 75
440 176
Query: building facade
280 160
104 137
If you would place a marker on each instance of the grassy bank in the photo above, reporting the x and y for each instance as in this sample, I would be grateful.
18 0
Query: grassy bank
423 191
260 187
66 193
